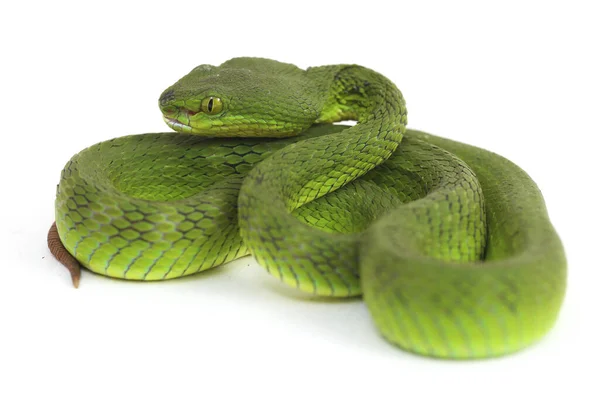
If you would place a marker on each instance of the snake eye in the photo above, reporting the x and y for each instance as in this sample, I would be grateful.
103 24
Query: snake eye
212 105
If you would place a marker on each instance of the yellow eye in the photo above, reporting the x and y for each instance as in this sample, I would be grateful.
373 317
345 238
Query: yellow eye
212 105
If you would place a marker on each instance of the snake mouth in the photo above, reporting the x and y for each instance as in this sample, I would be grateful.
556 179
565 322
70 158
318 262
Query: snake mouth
238 126
177 125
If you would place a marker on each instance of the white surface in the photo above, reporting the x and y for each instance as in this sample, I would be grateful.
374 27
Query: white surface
520 79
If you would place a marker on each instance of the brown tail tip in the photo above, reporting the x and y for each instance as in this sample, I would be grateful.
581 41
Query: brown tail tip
63 256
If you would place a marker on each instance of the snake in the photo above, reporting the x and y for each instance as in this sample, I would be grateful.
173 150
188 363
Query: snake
450 246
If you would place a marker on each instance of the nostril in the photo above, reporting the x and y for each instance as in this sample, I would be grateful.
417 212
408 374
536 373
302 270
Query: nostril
166 96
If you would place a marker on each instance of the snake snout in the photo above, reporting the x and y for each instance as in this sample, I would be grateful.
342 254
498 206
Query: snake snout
172 109
166 97
166 104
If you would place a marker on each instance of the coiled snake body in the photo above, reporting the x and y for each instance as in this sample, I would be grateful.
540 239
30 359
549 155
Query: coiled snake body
450 245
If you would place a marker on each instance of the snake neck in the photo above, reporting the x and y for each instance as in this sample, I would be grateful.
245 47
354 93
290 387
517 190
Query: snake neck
352 92
345 92
360 94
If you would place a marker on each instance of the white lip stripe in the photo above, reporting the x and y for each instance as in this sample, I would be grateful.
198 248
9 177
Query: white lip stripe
176 125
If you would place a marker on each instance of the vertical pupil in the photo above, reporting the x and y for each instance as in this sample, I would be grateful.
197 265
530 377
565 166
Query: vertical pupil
210 105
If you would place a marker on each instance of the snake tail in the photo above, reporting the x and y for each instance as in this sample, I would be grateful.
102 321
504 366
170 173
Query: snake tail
58 250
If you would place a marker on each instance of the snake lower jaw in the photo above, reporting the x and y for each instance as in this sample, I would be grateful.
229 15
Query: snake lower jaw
177 125
217 128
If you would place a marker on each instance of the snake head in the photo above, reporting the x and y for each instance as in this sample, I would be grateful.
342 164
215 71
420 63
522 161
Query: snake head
241 97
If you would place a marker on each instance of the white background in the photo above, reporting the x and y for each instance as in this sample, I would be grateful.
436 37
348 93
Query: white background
519 78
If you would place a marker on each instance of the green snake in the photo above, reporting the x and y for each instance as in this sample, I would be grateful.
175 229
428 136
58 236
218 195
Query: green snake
450 245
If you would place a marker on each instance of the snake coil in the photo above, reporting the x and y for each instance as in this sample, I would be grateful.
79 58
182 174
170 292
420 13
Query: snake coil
450 245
